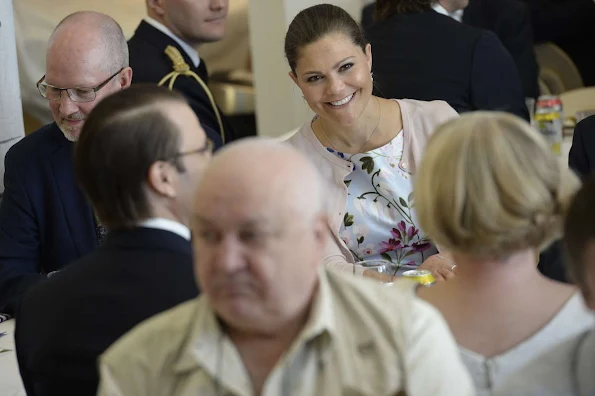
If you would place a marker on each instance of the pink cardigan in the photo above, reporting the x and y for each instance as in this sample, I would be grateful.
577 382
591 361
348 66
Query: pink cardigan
420 119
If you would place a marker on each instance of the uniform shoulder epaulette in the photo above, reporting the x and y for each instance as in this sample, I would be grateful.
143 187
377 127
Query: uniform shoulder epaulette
180 67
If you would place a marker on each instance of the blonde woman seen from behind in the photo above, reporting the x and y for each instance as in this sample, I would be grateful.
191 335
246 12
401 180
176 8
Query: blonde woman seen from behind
490 192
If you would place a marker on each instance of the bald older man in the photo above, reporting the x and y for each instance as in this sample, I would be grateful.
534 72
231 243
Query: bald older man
271 320
45 221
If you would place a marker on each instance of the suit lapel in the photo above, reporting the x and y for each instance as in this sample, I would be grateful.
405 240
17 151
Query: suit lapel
77 212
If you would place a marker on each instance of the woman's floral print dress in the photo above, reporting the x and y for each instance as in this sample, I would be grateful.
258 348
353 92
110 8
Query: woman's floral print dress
380 220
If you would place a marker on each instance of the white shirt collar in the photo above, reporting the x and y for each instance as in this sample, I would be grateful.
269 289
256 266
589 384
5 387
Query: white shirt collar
456 15
160 223
191 52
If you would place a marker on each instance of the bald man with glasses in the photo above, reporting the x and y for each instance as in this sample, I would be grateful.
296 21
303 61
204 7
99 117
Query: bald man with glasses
45 220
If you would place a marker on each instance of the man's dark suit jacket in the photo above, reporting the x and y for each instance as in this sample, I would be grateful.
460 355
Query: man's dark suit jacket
65 323
582 152
150 64
428 56
510 20
45 220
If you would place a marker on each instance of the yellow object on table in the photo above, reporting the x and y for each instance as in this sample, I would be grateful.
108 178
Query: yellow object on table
423 277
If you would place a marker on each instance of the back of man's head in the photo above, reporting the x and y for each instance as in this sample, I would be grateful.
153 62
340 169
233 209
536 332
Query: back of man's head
579 240
123 138
85 31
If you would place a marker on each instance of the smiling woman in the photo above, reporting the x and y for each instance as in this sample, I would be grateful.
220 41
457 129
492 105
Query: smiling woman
366 147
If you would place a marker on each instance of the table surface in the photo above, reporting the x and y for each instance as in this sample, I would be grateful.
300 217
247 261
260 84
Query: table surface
10 379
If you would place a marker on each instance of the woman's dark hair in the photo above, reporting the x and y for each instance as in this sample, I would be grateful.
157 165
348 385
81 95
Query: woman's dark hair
122 137
314 23
387 8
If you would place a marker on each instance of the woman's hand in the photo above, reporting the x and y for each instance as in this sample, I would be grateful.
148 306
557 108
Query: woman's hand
441 266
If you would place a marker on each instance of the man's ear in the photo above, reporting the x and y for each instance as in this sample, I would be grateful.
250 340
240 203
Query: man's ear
125 77
162 179
156 6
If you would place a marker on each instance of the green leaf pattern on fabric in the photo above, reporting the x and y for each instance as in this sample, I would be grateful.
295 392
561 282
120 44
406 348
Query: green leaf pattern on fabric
380 221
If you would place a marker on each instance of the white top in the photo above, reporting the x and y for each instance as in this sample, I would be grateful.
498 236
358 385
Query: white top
167 225
457 15
361 338
488 373
567 369
191 52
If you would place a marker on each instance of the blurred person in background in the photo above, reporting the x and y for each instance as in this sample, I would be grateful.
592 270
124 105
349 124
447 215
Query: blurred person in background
510 20
467 67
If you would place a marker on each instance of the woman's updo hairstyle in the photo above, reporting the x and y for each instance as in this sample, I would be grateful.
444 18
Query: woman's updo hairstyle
489 185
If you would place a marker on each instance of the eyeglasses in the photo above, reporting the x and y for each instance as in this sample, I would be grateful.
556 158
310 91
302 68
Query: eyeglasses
78 94
208 147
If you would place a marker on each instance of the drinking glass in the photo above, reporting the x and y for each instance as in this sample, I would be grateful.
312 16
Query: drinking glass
382 267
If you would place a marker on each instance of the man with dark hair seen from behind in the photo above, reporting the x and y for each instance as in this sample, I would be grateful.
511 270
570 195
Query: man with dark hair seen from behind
139 159
45 221
167 41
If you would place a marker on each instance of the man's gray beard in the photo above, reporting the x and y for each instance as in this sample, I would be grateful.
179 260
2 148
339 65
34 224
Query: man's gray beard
68 134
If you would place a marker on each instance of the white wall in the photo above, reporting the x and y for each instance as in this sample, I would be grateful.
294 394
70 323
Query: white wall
11 116
279 104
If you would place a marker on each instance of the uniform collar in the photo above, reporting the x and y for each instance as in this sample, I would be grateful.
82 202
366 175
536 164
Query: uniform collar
190 51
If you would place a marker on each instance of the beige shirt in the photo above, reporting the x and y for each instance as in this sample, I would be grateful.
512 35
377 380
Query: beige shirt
420 120
362 338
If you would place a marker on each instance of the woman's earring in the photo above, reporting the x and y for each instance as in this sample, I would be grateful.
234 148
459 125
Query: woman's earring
372 76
